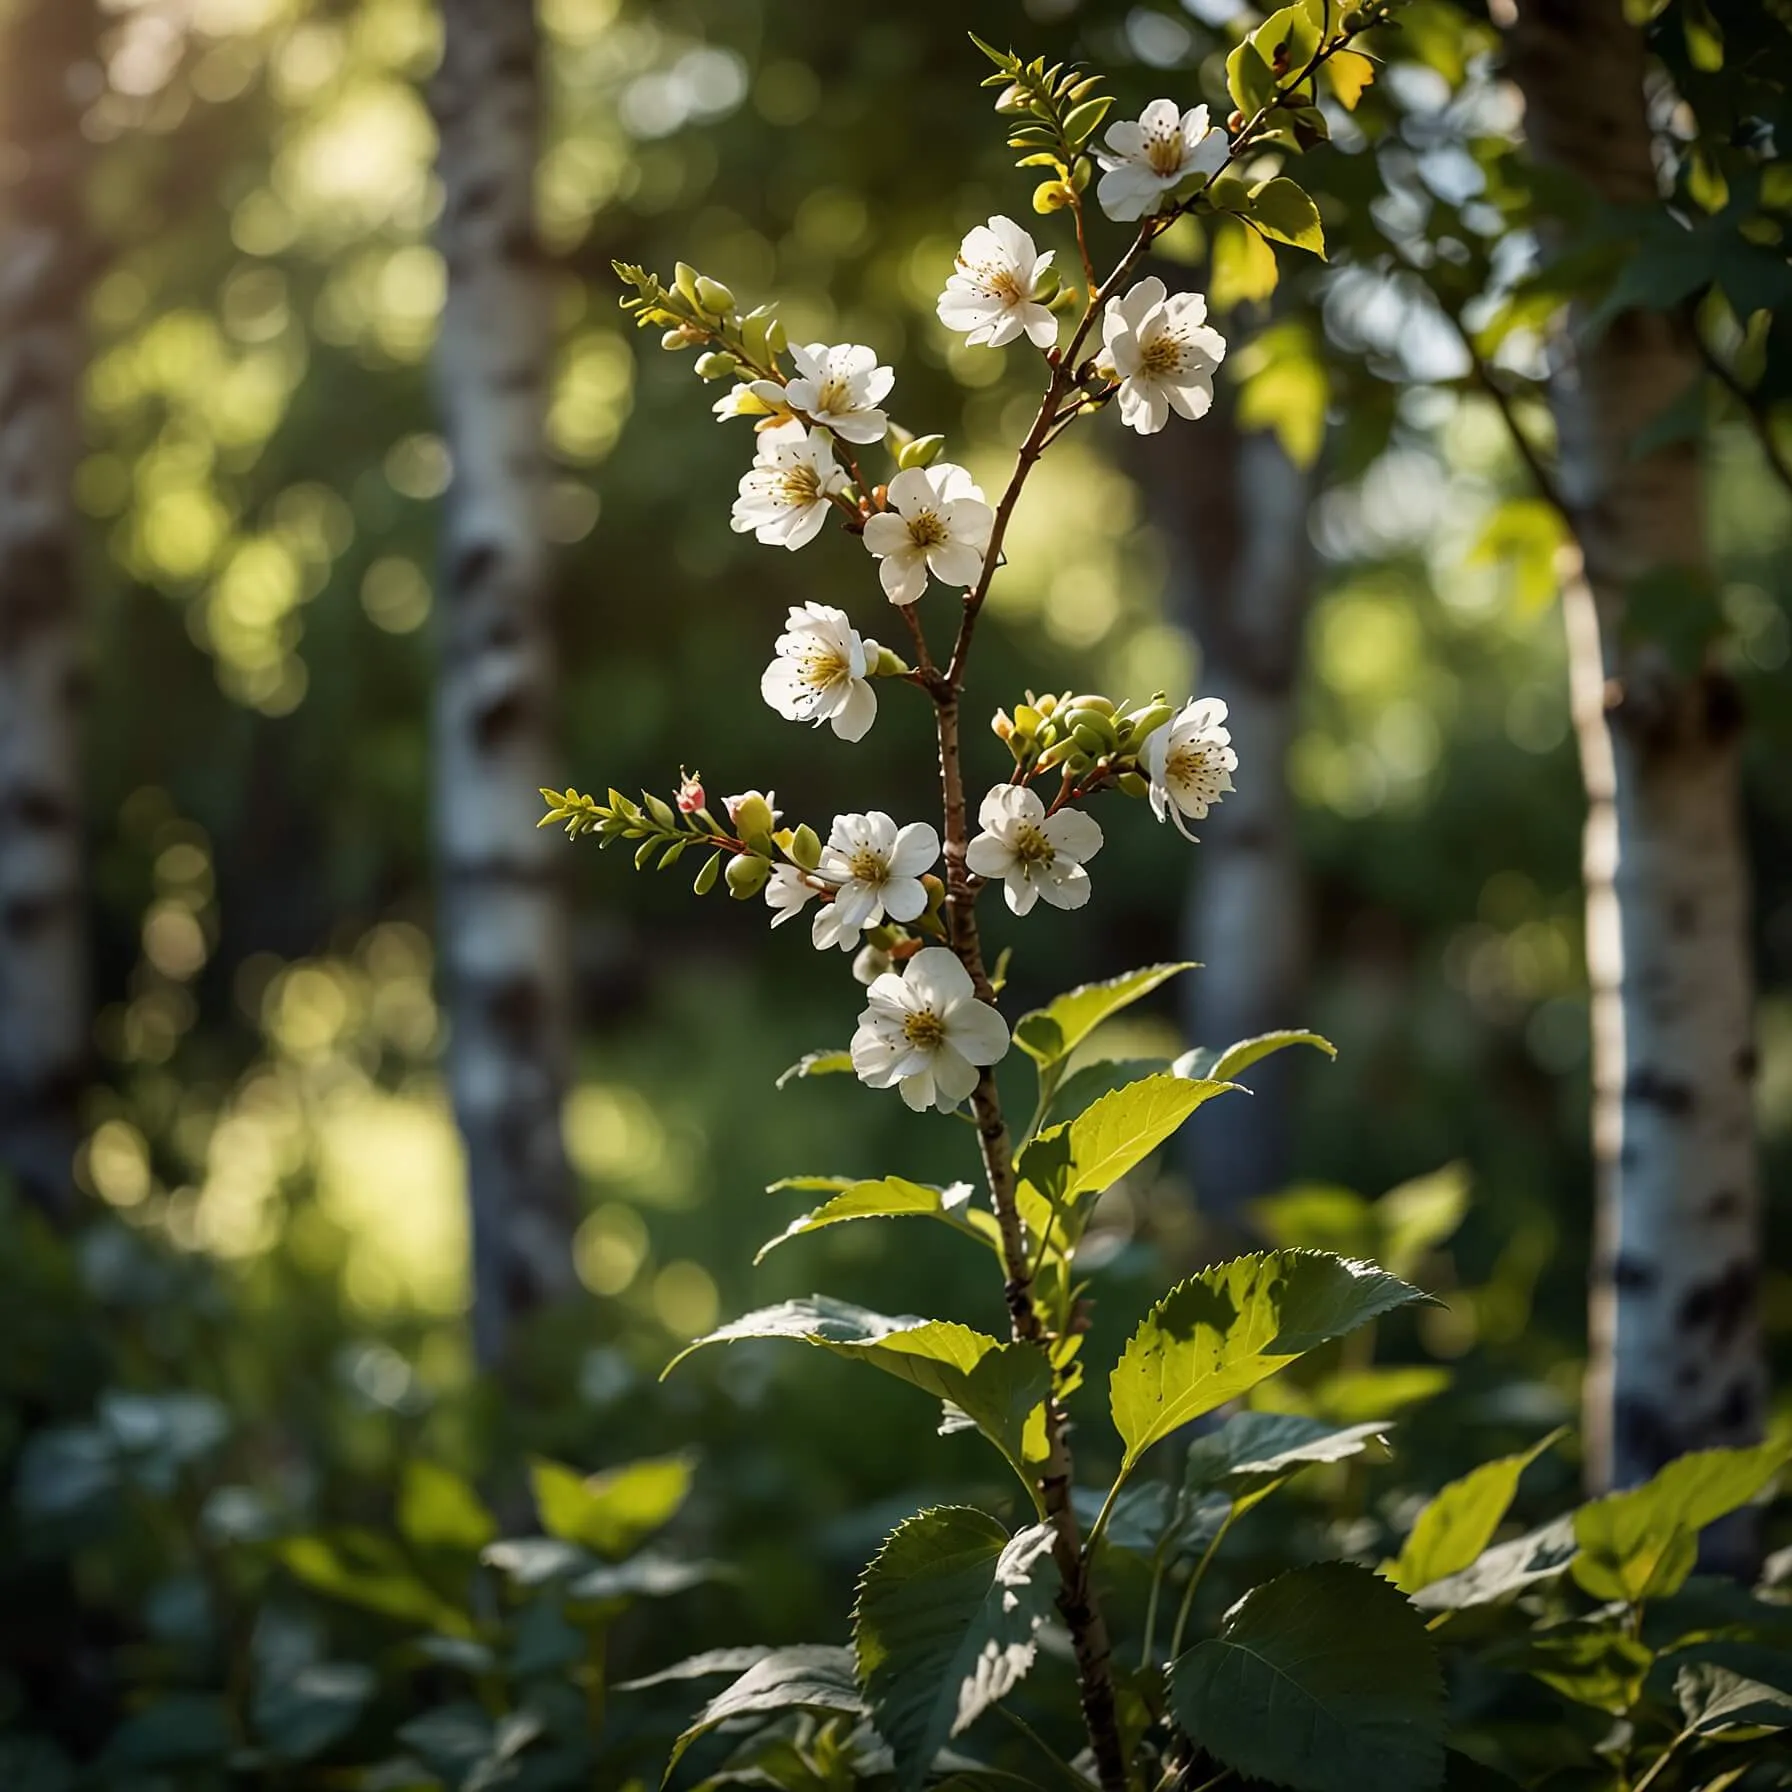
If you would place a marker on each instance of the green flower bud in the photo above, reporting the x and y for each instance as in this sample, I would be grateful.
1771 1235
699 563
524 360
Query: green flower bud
679 338
920 451
713 296
805 848
1134 784
775 337
890 664
684 277
1143 722
1056 754
1027 720
714 366
753 820
747 873
1089 739
1090 701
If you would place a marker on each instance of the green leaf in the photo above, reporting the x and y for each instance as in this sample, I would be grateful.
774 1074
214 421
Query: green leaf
1082 122
892 1197
1248 79
1323 1679
614 1512
1591 1662
1228 1065
1216 1336
1349 1396
1254 1453
1244 266
825 1063
438 1509
1056 1030
1453 1530
1112 1135
1287 41
1349 72
302 1713
1522 539
1505 1569
1318 1216
1642 1544
366 1569
701 1666
944 1627
997 1386
1286 214
808 1677
1418 1216
1715 1699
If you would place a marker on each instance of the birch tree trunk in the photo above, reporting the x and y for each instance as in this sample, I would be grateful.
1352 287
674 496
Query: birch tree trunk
1676 1356
1234 509
503 921
45 261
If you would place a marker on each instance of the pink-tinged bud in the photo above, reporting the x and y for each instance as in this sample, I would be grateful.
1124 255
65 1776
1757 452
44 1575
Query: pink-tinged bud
690 792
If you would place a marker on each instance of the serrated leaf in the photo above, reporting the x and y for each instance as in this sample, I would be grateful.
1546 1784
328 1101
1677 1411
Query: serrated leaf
1323 1679
893 1197
1228 1065
998 1386
1235 1324
1716 1699
1285 213
1455 1527
1588 1661
808 1677
1505 1569
944 1627
1254 1453
1642 1544
438 1509
701 1666
823 1063
614 1512
1056 1030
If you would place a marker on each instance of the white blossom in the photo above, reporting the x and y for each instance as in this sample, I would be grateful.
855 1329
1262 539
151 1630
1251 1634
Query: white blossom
937 523
877 868
990 297
1163 353
1034 854
926 1032
839 387
1190 761
1147 156
820 672
788 891
784 497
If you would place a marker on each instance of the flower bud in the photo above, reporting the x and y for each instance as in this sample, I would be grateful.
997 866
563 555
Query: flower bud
1089 739
1046 285
1143 723
747 873
920 451
775 337
805 848
714 366
1001 725
1046 705
1134 783
1027 720
690 792
890 664
713 296
680 338
684 277
754 819
1091 701
870 963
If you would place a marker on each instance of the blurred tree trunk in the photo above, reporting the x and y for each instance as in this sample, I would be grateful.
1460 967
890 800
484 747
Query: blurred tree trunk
45 265
503 908
1676 1355
1233 507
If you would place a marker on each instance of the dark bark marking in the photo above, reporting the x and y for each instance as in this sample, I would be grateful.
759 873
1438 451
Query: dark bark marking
1726 1204
1644 1437
1725 1303
1748 1061
1735 1412
471 565
495 722
1724 711
1656 1089
1633 1276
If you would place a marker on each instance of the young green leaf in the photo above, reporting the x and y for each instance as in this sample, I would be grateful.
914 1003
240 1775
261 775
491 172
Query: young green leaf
944 1627
732 1662
612 1513
999 1387
1323 1679
893 1197
1643 1543
438 1509
1228 1065
1283 212
1453 1530
1053 1032
1504 1569
808 1677
1716 1699
823 1063
1248 79
1216 1336
1254 1453
369 1570
1589 1661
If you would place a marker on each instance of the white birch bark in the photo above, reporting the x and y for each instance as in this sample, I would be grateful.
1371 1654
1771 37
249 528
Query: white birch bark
503 921
1234 509
45 260
1676 1357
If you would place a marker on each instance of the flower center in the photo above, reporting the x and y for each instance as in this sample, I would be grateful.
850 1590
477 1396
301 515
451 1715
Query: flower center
823 666
799 484
835 396
1032 848
925 1030
1161 357
1164 153
926 530
1189 765
867 866
998 281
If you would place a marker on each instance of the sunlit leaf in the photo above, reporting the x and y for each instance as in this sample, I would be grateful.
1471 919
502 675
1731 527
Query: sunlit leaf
1324 1679
1505 1569
1217 1335
1456 1526
1349 73
808 1677
1054 1031
366 1569
1715 1699
699 1667
1286 213
1591 1662
1227 1065
824 1063
893 1197
944 1626
1254 1453
614 1512
438 1509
